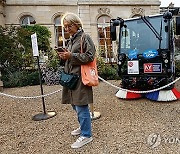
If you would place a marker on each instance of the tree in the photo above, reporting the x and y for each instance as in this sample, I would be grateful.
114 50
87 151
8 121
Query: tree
11 50
16 49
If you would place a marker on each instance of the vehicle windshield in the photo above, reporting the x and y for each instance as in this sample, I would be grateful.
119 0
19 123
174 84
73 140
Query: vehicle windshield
138 36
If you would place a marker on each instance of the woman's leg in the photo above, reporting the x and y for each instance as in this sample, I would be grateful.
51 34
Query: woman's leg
84 120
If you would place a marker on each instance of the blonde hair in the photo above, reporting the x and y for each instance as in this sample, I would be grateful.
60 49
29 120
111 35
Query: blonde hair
72 19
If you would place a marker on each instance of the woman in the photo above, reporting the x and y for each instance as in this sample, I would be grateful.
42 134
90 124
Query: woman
82 95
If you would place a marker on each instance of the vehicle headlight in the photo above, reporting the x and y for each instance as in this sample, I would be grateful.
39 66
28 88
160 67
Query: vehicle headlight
166 61
122 57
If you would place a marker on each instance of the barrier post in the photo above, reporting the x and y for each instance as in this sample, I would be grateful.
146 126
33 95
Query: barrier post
1 83
94 115
45 115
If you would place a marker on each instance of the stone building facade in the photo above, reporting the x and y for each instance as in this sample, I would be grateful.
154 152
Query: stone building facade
95 15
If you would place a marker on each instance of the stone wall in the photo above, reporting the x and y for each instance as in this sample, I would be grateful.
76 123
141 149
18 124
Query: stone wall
44 11
44 15
2 13
2 23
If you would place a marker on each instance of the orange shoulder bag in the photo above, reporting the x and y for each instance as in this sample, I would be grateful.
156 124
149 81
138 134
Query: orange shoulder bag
89 72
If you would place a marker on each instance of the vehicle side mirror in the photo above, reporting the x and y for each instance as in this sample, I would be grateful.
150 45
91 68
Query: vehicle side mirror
177 25
113 32
113 23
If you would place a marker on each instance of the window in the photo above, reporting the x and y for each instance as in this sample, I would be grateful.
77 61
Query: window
105 43
60 35
27 20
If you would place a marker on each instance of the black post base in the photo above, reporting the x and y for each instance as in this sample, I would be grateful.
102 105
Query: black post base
44 116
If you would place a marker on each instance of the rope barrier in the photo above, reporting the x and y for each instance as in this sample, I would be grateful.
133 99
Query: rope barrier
140 91
30 97
40 96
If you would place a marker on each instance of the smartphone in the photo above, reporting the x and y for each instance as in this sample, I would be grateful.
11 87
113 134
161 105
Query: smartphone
59 49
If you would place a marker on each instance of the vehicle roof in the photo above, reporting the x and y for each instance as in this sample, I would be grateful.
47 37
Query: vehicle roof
149 16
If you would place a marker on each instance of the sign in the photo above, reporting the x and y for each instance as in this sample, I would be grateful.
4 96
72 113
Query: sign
150 53
132 54
34 45
152 68
133 67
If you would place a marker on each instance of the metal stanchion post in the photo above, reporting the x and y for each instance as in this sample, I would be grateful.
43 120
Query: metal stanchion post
1 83
45 115
94 115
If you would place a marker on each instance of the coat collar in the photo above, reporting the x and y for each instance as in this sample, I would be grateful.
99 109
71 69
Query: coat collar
78 33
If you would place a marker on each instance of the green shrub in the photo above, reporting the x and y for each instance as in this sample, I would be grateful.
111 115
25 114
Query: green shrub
177 66
20 79
33 78
107 71
53 61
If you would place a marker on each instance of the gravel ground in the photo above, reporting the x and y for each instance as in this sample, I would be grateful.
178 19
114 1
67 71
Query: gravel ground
124 126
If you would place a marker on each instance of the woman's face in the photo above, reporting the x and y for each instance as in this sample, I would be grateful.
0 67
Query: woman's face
70 28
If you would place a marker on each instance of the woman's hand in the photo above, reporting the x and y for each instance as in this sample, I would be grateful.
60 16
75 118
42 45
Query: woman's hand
64 55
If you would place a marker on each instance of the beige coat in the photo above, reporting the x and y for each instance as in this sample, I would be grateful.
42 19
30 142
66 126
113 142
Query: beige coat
82 95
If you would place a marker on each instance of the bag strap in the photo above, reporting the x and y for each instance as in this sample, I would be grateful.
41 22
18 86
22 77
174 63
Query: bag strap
81 42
